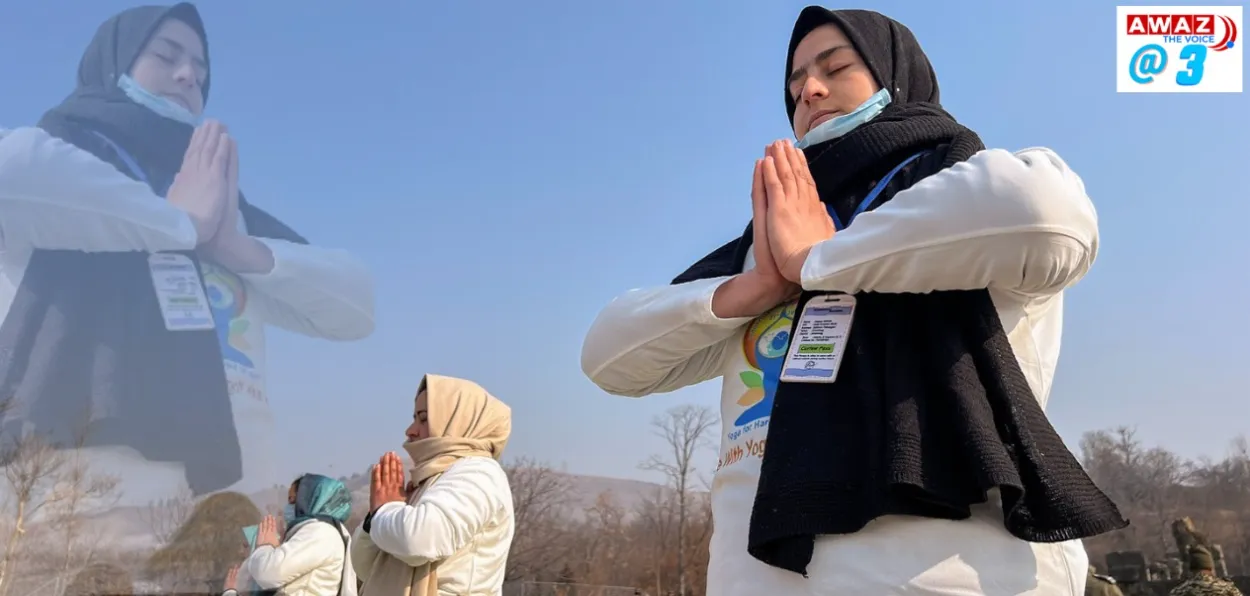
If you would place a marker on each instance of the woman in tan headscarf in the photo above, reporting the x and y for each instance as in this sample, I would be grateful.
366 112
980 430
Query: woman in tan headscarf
448 529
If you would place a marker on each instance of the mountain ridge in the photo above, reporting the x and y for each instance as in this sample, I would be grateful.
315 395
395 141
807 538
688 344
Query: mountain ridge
136 527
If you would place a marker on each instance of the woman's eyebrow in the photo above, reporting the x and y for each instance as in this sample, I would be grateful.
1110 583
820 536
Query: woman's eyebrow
798 71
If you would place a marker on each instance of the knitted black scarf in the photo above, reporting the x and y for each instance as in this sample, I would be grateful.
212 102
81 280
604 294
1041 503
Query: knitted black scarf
84 338
930 410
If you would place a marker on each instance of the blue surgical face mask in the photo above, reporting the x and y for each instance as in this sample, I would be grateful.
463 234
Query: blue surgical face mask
288 513
838 126
161 105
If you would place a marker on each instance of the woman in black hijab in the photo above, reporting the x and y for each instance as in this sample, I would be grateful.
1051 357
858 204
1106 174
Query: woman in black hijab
888 325
142 278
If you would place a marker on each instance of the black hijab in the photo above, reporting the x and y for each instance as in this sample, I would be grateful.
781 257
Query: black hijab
929 396
84 338
98 105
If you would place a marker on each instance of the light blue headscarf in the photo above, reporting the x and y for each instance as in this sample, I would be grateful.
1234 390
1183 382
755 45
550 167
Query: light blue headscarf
320 497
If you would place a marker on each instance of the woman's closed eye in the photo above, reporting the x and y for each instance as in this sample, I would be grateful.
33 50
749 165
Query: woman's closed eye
834 71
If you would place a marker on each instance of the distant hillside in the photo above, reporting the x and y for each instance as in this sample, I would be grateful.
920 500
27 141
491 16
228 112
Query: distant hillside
584 490
138 528
628 494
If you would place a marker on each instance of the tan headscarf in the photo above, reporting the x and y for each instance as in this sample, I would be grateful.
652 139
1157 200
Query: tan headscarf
464 421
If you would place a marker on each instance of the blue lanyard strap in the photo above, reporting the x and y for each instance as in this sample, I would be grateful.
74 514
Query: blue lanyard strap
872 195
125 157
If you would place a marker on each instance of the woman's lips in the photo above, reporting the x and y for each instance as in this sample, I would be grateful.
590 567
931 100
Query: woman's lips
178 100
821 118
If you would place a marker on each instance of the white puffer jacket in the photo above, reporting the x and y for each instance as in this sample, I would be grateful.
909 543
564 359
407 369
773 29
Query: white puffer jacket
463 521
311 562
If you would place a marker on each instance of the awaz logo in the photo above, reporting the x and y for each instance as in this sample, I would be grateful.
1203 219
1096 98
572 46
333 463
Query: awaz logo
1178 49
1190 28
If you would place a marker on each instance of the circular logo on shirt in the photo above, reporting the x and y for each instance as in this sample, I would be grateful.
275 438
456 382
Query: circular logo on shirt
764 347
227 297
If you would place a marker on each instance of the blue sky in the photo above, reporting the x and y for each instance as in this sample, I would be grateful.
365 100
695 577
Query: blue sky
506 174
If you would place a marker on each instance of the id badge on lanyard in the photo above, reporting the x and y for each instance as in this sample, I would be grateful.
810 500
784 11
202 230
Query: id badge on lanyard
824 327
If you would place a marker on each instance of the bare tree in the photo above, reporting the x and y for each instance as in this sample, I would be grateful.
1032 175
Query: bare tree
77 492
31 465
700 533
607 544
540 499
1164 473
1154 487
657 517
1149 481
164 517
684 429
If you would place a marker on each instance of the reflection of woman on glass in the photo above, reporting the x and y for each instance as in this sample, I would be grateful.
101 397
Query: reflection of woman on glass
447 531
137 278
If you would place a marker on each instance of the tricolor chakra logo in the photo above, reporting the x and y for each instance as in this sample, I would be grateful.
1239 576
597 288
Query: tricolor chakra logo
764 346
227 297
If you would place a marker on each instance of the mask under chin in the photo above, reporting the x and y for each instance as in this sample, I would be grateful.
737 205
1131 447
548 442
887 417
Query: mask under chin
159 105
835 128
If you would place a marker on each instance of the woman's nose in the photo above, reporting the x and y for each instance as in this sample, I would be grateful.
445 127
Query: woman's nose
814 89
184 75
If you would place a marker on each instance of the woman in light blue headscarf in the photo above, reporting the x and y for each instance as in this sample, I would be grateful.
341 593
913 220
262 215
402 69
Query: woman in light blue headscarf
313 496
310 557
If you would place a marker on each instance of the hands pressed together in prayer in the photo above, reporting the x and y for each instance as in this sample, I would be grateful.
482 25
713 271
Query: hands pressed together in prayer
207 189
788 219
269 533
387 482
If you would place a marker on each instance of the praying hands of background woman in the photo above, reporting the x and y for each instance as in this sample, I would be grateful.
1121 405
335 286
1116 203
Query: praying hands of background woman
797 220
387 482
268 533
